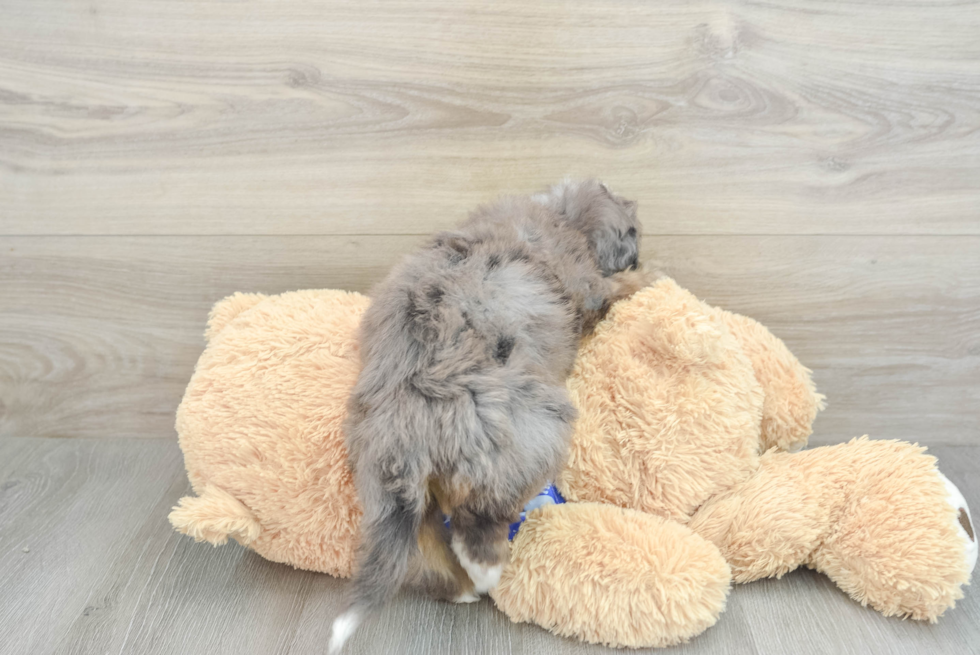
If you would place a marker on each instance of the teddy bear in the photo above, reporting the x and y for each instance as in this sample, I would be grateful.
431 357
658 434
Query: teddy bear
697 417
683 473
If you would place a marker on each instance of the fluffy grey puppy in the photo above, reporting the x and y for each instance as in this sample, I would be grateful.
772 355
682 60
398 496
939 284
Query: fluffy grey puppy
460 408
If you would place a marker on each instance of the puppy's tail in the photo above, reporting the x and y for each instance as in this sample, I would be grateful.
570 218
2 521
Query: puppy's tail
389 540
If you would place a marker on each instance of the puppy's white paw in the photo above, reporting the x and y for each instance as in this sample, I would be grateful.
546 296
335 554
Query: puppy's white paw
484 577
487 578
466 597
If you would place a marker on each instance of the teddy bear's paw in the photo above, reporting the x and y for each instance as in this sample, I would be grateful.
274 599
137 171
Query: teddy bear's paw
963 523
485 577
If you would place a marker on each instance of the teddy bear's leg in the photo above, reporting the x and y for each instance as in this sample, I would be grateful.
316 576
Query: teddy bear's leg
613 576
875 516
897 543
769 524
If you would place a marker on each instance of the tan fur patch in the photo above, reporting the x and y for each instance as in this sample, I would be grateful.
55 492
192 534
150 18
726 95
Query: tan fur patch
448 495
440 573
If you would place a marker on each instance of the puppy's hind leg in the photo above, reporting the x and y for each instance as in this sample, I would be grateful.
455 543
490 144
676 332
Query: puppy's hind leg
437 570
480 542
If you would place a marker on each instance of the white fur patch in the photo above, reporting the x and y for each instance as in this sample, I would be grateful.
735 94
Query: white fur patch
343 627
467 597
955 498
568 184
484 577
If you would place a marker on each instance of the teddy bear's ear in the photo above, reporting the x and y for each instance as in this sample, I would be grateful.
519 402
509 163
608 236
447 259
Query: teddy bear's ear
791 399
228 308
672 321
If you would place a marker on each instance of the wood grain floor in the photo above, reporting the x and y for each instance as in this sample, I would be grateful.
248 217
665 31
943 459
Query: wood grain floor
105 573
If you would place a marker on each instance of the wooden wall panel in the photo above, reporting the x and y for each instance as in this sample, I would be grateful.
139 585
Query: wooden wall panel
99 335
812 164
311 117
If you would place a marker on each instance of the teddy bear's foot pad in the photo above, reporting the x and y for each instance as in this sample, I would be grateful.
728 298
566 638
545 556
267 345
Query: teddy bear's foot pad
964 522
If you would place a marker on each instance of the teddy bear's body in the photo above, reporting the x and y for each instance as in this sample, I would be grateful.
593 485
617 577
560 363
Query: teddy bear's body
260 428
680 476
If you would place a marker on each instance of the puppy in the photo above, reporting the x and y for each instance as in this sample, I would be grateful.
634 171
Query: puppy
460 408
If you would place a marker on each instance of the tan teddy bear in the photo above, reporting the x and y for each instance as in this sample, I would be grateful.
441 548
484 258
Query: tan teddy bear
678 480
687 413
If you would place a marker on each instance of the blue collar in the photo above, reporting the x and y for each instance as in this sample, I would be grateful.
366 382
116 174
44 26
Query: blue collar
549 496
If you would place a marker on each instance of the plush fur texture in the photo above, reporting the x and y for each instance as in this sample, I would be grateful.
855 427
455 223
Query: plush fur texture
677 402
460 407
261 429
613 576
668 390
790 401
669 407
859 512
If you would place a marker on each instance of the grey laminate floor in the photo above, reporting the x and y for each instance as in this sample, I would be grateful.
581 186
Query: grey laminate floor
89 564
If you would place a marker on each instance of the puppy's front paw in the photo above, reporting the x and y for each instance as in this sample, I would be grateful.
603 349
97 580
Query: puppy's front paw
626 283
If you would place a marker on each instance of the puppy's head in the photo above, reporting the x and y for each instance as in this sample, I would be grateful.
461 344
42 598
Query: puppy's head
607 220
